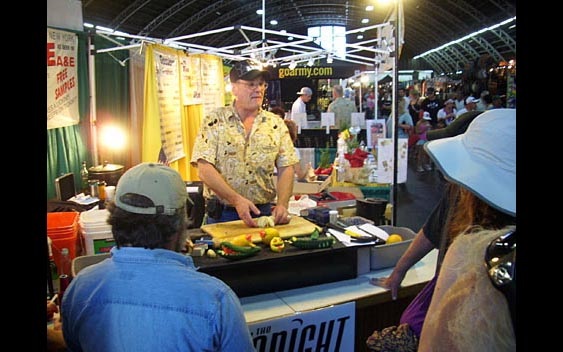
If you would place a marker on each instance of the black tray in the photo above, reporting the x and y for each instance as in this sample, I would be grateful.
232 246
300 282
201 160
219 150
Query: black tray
269 271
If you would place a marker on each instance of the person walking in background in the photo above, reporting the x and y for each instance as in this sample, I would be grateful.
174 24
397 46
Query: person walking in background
278 110
446 114
342 108
459 100
300 104
300 172
422 127
236 151
492 206
470 105
147 296
431 104
404 121
414 105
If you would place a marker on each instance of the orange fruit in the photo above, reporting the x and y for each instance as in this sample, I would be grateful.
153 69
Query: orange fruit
394 238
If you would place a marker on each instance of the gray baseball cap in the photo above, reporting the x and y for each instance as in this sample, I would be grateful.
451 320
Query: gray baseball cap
160 183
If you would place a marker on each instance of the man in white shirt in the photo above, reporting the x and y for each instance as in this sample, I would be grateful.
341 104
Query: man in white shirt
298 106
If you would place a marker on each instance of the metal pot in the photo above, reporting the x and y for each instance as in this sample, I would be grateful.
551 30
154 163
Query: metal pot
106 172
372 208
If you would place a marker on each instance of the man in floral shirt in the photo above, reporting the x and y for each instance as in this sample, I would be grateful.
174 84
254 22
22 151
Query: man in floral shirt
236 151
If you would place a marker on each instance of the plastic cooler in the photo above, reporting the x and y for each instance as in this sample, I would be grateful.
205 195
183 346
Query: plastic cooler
62 229
96 232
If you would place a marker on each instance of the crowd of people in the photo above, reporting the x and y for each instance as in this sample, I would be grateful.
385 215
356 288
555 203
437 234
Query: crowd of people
167 304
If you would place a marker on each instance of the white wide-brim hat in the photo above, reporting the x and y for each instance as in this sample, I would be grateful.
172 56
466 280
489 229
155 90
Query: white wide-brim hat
483 159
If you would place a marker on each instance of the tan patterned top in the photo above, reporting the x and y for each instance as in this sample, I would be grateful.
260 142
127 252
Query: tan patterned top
246 165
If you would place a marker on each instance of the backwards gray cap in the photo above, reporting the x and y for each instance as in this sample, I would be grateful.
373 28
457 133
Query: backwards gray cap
160 183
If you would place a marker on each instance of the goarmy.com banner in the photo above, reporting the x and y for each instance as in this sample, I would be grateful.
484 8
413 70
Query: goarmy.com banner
305 72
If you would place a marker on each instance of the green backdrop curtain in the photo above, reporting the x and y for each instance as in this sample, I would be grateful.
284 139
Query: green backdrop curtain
67 147
112 98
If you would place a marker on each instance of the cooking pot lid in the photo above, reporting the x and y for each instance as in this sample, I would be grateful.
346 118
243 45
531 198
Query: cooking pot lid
106 168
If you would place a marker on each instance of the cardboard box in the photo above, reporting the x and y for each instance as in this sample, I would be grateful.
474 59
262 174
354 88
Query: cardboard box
387 255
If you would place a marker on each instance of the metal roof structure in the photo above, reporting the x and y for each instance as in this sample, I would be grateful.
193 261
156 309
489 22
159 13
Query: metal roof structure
232 27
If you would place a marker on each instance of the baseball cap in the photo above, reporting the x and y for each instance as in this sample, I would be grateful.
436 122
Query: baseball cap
449 101
483 159
159 183
247 71
470 100
426 115
305 91
457 126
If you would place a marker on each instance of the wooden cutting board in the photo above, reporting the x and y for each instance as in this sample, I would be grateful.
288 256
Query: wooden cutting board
225 231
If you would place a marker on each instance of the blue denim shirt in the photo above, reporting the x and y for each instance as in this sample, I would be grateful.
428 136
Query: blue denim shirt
151 300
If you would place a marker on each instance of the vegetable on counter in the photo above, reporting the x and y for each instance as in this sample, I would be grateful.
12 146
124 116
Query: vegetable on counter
231 251
277 244
314 241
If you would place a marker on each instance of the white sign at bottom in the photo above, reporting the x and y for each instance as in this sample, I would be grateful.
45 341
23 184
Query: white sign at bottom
327 329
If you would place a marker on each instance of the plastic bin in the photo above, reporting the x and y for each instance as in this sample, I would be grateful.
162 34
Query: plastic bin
376 192
387 255
62 229
97 242
96 232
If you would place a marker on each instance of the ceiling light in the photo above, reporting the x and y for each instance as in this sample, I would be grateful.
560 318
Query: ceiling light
273 22
329 59
365 20
360 36
259 12
290 38
292 65
369 8
311 62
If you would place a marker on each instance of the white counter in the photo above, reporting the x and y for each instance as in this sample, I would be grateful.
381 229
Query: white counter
283 303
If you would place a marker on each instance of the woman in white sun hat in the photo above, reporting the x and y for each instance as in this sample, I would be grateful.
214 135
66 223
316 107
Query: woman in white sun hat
477 155
481 164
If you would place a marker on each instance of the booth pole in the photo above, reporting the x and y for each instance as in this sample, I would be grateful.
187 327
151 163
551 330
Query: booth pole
92 84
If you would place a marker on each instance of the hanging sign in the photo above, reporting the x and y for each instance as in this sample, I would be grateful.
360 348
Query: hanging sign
62 80
169 103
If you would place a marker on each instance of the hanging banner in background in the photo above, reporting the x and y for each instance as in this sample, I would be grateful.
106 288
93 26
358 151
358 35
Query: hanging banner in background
191 80
385 151
169 102
329 329
62 80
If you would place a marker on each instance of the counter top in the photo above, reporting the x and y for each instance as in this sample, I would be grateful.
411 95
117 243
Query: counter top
282 303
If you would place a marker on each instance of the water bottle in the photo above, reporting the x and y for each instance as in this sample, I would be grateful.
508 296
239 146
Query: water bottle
66 262
84 178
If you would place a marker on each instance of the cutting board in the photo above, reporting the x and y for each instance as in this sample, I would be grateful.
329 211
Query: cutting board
225 231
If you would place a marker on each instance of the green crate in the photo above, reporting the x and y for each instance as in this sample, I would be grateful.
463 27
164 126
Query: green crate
376 192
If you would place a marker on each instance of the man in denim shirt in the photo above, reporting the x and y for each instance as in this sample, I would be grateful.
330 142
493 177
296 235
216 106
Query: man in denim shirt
147 296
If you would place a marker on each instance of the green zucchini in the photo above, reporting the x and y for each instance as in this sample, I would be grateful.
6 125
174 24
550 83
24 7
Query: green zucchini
312 243
240 249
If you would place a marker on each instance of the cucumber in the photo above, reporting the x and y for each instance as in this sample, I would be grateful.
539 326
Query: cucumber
312 243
